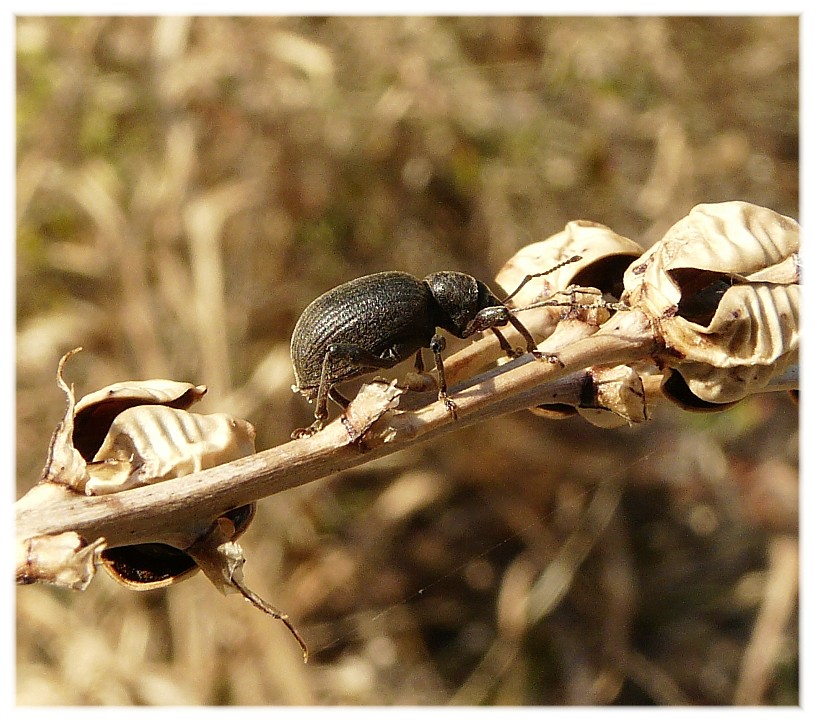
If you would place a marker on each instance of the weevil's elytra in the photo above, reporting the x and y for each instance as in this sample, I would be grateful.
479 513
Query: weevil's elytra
376 321
389 315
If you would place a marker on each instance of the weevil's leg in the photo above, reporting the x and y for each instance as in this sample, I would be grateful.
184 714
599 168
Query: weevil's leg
338 398
355 356
321 404
488 317
506 347
499 315
531 346
437 345
419 362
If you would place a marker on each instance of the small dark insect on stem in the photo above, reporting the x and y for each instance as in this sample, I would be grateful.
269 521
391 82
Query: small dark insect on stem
376 321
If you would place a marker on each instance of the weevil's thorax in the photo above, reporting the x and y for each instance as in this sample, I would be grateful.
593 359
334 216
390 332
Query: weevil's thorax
458 297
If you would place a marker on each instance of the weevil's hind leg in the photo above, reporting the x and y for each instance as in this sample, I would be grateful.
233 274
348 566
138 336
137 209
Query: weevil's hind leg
437 345
321 405
355 356
338 398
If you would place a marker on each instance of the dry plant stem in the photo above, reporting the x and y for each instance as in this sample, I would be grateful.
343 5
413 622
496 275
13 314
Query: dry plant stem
482 353
159 511
274 612
659 685
780 596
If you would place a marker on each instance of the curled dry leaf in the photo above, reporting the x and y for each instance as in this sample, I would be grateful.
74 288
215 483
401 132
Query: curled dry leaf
85 423
95 412
722 289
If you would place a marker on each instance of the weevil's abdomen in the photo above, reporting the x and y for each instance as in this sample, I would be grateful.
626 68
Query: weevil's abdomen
390 314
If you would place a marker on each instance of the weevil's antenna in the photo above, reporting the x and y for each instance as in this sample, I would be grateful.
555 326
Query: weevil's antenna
530 276
608 305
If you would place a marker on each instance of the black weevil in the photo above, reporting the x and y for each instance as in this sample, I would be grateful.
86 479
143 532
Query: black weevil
376 321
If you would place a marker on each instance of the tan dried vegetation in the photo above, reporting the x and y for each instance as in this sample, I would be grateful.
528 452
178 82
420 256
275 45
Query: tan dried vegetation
186 186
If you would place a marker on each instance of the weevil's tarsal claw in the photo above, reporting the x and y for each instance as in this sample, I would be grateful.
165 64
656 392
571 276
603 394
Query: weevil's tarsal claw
450 405
308 431
552 358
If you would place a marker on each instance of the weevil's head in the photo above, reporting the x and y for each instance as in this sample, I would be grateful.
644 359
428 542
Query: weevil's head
459 297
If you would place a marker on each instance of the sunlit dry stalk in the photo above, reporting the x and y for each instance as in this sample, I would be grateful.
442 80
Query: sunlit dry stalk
156 512
780 596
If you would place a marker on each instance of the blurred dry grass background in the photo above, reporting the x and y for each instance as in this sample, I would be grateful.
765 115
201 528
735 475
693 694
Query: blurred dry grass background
186 186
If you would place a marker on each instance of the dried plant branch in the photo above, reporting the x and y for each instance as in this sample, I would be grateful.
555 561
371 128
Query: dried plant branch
118 471
169 510
160 511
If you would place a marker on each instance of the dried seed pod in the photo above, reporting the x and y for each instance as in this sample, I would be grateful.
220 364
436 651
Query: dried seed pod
149 444
63 560
136 441
722 289
598 258
146 444
95 412
604 256
610 396
152 566
616 398
140 433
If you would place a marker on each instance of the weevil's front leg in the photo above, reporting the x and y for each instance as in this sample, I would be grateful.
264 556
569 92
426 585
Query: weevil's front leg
531 346
493 316
437 345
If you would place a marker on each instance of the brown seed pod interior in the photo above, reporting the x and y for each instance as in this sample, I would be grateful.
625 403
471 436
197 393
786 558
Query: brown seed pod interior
153 566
